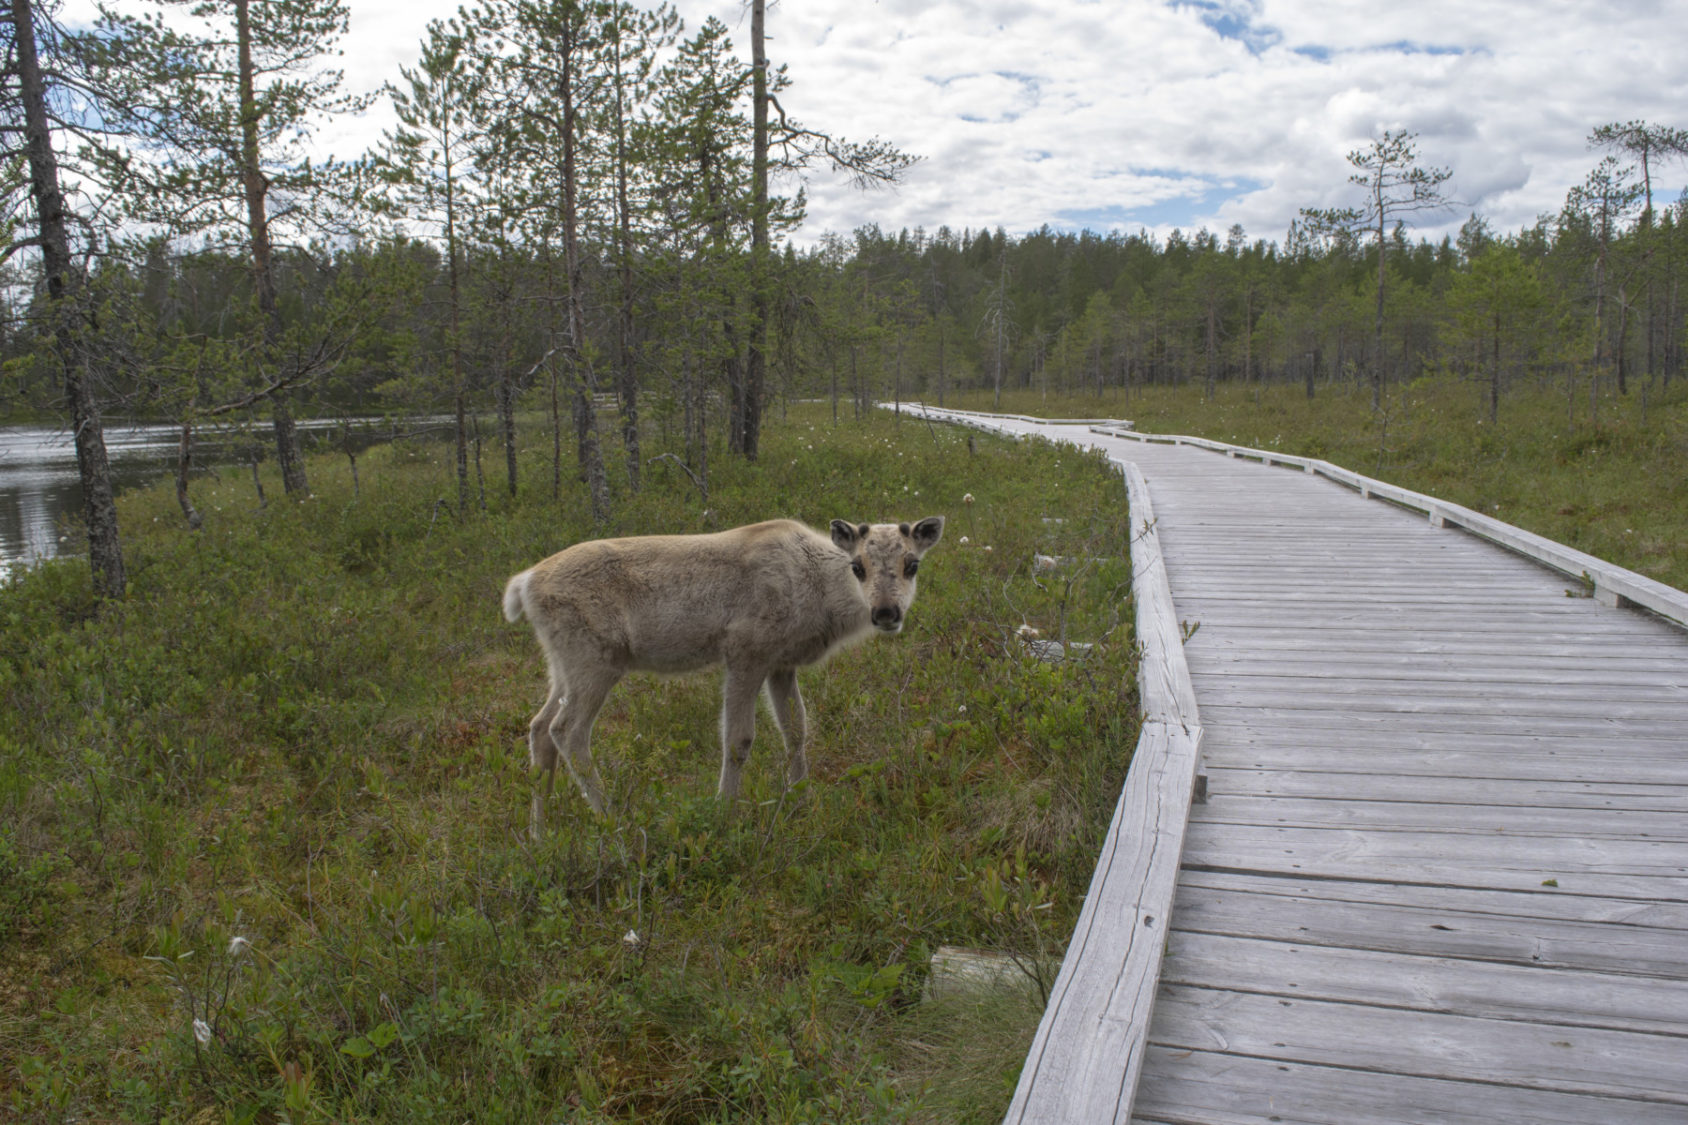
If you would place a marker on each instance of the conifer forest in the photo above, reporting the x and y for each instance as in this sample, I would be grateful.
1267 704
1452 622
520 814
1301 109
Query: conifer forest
581 218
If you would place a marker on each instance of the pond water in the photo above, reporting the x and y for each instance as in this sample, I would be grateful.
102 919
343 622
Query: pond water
41 491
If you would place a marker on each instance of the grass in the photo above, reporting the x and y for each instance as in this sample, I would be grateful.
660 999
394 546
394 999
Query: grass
262 848
1615 486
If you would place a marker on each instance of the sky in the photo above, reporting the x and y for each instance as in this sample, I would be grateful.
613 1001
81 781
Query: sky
1149 115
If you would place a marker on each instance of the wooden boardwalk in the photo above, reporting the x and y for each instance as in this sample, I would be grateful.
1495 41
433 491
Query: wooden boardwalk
1442 871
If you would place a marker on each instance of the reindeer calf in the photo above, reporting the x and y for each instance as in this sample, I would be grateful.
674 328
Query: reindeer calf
762 600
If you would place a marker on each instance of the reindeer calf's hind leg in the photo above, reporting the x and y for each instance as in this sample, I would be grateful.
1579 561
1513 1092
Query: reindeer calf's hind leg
542 758
793 722
571 730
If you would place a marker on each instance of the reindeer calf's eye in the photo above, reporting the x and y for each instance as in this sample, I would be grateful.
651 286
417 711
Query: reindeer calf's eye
857 568
910 567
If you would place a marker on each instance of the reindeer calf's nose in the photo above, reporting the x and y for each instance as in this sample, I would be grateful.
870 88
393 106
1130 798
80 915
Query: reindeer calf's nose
887 615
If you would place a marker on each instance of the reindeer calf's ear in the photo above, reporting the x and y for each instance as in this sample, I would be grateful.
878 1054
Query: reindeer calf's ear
927 532
844 535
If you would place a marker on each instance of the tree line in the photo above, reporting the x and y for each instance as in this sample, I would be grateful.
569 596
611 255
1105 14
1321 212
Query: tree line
577 211
1589 298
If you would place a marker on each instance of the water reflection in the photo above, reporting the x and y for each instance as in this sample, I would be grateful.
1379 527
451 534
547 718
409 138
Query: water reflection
41 490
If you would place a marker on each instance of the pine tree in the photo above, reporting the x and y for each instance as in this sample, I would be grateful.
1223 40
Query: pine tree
425 162
1395 186
224 113
27 113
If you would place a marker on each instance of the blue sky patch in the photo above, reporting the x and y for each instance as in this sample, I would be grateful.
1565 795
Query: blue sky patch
1408 47
1200 200
1234 20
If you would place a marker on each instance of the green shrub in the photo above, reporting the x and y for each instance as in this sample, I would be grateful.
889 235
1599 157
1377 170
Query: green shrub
281 790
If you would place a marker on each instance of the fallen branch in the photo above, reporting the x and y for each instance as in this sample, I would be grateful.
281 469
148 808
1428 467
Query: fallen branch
683 465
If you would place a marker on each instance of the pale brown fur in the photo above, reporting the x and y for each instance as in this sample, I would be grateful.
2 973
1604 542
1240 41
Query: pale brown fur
761 600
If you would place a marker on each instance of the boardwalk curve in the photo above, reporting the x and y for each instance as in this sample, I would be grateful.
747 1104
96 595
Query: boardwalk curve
1442 873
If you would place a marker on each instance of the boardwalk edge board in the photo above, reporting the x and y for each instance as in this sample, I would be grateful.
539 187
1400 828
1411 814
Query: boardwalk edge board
1611 584
1088 1054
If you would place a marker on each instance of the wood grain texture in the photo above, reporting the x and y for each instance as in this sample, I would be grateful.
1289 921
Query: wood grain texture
1416 982
1225 1089
1613 585
1539 1056
1086 1059
1442 875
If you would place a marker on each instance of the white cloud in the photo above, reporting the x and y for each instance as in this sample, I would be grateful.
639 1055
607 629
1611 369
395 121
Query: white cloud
1204 112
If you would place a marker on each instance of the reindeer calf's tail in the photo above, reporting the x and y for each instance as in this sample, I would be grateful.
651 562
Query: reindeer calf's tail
515 597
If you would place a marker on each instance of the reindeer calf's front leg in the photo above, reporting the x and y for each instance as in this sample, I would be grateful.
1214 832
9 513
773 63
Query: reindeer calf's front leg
787 703
738 726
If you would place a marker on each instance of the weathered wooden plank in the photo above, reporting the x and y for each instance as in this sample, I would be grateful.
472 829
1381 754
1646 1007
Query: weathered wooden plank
1260 642
1401 599
1163 675
1347 577
1430 1045
1544 619
1637 760
1225 537
1289 719
1415 982
1608 741
1457 766
1642 869
1373 779
1443 681
1333 688
1084 1062
1648 953
1212 1088
1239 560
1540 705
1435 587
1585 766
1462 818
1597 648
1446 622
1449 636
1478 590
1342 559
1334 897
1365 669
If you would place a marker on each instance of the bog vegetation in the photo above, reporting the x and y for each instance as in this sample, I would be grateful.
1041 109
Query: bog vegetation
263 824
